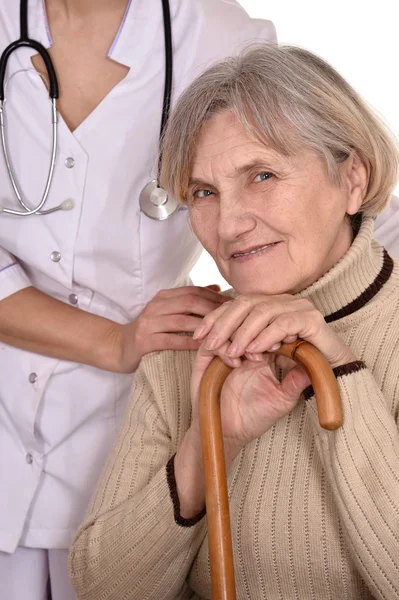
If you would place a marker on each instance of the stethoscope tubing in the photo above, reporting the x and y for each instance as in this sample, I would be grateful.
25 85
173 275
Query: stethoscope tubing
168 205
167 22
25 41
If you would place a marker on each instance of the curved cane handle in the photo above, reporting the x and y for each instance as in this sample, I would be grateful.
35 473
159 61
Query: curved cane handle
323 380
217 506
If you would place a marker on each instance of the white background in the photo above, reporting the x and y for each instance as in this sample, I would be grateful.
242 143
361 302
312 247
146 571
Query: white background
360 38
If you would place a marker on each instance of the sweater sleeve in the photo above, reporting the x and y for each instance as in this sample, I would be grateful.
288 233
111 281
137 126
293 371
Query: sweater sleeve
131 545
361 461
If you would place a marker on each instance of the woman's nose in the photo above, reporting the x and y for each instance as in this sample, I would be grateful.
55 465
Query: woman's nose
235 219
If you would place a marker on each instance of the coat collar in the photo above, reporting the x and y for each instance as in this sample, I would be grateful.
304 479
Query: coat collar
134 26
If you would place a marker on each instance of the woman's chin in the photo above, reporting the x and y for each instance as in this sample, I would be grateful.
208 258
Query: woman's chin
268 282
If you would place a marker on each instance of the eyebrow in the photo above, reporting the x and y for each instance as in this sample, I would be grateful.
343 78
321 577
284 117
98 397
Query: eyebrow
254 164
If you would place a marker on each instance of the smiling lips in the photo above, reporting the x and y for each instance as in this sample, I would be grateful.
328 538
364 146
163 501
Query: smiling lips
252 251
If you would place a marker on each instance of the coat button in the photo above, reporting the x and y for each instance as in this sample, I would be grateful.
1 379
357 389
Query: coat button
69 162
29 459
32 378
55 256
73 299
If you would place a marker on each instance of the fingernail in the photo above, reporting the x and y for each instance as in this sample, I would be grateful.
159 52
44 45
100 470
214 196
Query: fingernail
275 347
232 350
212 343
213 286
198 332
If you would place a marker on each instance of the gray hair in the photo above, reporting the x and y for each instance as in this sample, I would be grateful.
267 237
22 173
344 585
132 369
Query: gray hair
289 98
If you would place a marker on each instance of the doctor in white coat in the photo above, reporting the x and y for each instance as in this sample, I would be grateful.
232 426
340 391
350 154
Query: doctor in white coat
81 295
80 290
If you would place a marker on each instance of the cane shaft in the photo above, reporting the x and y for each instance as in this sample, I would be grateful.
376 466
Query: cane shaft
219 535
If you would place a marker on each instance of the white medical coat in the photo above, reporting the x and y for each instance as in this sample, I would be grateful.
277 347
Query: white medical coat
58 419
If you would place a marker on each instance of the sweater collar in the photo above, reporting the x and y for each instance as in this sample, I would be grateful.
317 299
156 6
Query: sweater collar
354 280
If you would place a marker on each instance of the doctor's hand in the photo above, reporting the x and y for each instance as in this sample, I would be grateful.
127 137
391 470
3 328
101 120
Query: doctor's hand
163 322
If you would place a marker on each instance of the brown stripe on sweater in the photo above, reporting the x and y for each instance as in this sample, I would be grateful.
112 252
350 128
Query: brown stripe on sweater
370 292
348 369
179 520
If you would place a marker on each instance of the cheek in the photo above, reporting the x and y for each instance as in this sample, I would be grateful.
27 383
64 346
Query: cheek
204 223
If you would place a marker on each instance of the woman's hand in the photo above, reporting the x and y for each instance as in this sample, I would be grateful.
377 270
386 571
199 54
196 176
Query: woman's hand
170 312
251 325
253 399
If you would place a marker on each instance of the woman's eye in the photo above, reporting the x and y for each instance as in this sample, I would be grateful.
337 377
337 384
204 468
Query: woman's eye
263 176
202 193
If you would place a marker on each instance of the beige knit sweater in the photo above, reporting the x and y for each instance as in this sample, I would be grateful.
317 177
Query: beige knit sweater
315 514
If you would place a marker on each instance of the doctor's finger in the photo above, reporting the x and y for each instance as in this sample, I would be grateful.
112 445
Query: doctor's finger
170 341
173 323
193 290
190 304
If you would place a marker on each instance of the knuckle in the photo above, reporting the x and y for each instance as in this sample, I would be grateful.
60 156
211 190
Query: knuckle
244 301
180 322
285 322
261 308
142 323
161 294
168 341
190 302
305 304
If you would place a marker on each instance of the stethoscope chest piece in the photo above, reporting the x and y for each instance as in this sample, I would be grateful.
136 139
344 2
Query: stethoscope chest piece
155 203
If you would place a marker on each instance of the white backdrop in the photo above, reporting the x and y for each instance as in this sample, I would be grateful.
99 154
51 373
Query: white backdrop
358 37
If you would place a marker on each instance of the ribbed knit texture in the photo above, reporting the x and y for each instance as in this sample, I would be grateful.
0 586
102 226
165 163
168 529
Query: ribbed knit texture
314 513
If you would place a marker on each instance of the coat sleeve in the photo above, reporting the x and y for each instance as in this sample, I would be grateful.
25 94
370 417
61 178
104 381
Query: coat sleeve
386 228
12 276
132 543
361 462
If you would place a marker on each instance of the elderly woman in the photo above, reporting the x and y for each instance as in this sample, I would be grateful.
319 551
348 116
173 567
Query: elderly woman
283 168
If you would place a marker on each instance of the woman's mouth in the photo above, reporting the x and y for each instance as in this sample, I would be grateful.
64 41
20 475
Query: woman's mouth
252 252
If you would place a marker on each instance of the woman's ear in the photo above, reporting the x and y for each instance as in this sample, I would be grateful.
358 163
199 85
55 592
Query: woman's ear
355 174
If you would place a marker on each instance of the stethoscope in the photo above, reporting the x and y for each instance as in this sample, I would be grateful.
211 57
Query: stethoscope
154 200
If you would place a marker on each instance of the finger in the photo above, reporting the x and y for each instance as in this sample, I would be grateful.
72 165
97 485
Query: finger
254 357
204 292
219 327
284 363
221 353
282 329
214 286
246 318
174 323
294 383
188 303
308 325
170 341
207 323
262 314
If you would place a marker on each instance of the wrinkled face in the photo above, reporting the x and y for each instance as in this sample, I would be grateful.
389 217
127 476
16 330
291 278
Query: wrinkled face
273 224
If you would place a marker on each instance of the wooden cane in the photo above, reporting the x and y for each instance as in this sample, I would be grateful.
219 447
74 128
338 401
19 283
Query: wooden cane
329 409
